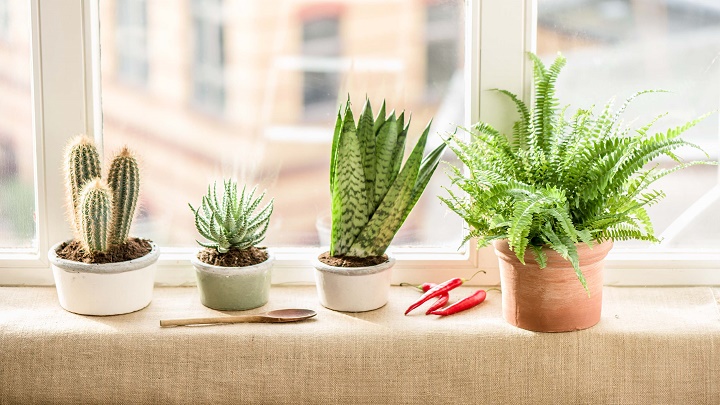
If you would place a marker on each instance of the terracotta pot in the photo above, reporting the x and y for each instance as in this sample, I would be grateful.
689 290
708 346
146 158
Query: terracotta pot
551 299
353 289
104 289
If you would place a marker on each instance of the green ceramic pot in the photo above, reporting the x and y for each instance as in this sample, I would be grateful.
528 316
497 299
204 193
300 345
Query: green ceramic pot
233 288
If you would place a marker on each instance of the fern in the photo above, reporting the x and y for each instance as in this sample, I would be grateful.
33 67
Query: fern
560 181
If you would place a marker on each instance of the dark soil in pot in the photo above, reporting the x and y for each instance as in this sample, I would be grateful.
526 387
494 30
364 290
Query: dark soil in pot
234 257
351 261
134 248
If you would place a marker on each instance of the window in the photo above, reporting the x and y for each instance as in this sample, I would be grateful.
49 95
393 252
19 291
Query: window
17 161
321 46
4 19
254 63
284 78
617 47
131 40
442 44
208 42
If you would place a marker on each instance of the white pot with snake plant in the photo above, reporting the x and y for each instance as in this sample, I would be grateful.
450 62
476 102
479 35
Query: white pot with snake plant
371 198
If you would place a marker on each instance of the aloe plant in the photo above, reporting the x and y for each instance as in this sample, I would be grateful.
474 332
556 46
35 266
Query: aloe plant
229 221
559 181
372 192
100 213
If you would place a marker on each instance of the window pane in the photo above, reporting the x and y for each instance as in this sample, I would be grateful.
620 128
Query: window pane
251 90
618 47
17 167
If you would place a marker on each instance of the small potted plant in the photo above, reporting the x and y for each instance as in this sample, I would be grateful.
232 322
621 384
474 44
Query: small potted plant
232 273
554 196
102 271
371 197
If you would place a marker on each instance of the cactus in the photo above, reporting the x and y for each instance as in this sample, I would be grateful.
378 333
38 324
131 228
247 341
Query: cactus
124 182
372 192
100 214
95 206
82 165
230 222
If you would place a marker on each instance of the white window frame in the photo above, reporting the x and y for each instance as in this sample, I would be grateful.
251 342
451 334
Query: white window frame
66 96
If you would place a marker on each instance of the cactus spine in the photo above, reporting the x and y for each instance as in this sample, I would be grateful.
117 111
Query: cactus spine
101 214
95 205
124 182
82 165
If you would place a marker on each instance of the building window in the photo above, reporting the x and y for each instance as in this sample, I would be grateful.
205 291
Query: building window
208 68
321 79
131 41
4 20
442 38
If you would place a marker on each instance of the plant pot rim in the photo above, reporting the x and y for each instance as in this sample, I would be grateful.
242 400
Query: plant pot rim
354 271
103 268
224 270
505 243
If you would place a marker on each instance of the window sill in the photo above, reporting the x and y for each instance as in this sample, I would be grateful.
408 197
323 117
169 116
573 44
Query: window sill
653 345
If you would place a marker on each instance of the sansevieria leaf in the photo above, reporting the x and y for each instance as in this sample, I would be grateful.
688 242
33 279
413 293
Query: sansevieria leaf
349 199
384 150
372 192
389 216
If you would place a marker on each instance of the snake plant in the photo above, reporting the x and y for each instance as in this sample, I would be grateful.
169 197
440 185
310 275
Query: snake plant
372 192
558 181
229 221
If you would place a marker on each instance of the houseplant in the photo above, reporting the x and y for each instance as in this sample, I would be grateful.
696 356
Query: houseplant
371 198
102 271
562 190
232 272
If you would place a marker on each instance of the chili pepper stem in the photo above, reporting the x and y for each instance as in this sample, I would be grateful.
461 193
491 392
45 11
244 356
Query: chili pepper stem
494 289
465 280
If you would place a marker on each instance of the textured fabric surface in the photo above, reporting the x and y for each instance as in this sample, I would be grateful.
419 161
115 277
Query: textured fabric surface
652 346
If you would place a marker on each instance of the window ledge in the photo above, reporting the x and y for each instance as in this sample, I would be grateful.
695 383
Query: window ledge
653 345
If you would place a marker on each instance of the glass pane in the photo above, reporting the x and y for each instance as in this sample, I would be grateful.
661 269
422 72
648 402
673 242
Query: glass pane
617 47
251 90
17 164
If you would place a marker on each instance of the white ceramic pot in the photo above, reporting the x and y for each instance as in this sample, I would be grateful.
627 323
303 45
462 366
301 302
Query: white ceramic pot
104 289
353 289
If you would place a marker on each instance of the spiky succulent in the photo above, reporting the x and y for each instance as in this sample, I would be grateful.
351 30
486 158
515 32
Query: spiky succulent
229 221
557 182
100 213
371 195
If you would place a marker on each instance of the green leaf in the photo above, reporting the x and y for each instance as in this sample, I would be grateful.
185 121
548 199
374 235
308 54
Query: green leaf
367 144
349 198
384 150
427 168
387 219
333 152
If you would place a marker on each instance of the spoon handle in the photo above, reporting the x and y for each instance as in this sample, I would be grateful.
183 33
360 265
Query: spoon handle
212 321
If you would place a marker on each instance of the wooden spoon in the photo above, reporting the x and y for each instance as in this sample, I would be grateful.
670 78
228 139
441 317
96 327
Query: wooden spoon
278 315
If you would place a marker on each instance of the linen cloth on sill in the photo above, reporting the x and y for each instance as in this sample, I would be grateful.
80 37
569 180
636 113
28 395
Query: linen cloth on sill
652 346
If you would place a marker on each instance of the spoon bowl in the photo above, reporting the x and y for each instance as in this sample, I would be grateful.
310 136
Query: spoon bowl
290 314
276 316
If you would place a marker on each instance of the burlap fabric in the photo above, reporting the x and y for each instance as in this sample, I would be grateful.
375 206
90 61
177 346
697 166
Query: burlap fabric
652 346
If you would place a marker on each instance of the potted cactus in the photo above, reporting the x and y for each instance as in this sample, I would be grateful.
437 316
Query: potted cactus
371 198
232 273
102 271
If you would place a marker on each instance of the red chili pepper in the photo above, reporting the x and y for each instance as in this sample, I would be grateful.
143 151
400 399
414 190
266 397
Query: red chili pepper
468 302
436 291
441 301
426 286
